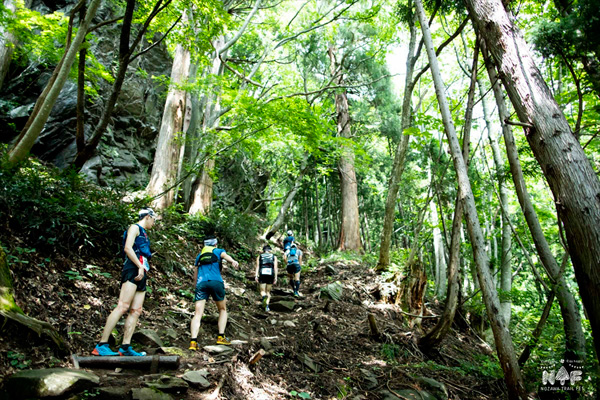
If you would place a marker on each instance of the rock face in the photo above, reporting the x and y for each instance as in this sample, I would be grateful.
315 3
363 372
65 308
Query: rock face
124 154
41 383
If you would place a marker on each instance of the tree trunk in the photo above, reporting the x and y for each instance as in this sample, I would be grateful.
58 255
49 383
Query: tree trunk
537 332
284 207
438 251
506 255
574 338
170 137
504 345
7 43
434 337
23 146
571 178
400 156
349 238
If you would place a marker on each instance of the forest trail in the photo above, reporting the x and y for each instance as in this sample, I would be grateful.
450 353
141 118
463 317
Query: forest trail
322 349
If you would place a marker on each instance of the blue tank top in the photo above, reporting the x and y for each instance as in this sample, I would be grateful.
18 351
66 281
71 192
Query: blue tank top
141 245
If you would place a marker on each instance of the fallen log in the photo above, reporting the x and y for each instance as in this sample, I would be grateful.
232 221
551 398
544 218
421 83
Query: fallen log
257 356
111 362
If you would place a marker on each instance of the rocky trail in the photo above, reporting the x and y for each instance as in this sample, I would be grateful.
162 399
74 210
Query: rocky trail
320 346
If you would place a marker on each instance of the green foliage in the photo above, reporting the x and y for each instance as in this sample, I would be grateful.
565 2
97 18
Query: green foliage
60 211
18 360
390 352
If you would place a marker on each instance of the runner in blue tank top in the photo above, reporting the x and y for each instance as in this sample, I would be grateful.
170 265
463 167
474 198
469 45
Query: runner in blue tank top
209 283
133 285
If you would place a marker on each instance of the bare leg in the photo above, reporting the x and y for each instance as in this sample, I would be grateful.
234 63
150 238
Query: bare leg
125 297
222 307
134 314
263 290
195 325
268 293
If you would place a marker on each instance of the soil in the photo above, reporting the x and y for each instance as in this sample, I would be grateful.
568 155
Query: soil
335 335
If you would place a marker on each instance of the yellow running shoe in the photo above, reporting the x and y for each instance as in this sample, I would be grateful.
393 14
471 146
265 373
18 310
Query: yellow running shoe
194 345
223 340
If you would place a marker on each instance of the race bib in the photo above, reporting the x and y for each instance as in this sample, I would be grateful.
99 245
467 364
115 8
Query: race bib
267 271
144 262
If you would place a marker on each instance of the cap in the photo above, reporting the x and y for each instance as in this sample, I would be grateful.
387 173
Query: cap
290 233
210 240
147 211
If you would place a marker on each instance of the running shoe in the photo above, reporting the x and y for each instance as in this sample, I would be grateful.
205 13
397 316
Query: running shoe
194 345
223 340
130 352
103 350
267 309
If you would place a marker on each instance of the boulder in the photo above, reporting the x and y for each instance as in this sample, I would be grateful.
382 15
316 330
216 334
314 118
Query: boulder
197 378
289 324
168 384
149 394
436 388
282 306
332 291
147 337
40 383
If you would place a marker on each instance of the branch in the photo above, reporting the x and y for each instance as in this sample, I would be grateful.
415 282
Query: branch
318 91
239 75
518 123
101 24
157 9
240 32
147 49
441 47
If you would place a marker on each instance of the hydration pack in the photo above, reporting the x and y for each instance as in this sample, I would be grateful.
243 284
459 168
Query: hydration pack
267 261
207 257
292 257
293 251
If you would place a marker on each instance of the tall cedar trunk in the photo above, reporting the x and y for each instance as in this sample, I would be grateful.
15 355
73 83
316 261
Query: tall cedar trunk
400 156
574 338
318 211
349 238
504 345
434 337
506 255
23 146
170 138
202 187
571 178
7 44
79 134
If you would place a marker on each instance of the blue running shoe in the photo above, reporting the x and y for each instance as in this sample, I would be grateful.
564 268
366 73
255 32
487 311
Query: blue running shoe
104 350
130 352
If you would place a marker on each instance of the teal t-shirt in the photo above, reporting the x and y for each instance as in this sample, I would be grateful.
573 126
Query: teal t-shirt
210 272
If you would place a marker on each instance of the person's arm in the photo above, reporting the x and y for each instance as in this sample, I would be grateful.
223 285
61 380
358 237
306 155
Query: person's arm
132 233
195 274
300 258
228 258
256 272
275 266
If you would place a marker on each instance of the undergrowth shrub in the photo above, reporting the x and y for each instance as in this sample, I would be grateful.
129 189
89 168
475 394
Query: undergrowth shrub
57 210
